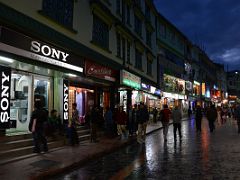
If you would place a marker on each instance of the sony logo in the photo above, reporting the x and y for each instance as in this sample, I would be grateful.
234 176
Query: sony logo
5 94
48 51
65 102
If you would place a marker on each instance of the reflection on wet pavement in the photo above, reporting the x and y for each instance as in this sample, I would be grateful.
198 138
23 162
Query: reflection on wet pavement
198 156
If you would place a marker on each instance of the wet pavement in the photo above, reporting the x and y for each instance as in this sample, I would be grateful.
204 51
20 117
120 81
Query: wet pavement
202 155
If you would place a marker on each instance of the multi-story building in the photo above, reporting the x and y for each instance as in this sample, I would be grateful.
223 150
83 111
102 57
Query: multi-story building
172 59
93 52
233 84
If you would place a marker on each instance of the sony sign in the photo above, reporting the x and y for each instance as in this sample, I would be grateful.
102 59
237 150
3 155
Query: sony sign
65 100
48 51
5 83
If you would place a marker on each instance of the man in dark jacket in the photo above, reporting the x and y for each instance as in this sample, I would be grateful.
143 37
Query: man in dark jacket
198 118
211 116
143 117
36 126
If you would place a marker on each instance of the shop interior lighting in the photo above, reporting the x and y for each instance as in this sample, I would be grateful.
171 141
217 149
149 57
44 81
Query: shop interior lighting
5 59
72 75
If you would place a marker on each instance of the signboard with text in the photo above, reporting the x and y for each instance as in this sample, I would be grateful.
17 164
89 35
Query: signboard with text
99 71
130 79
65 100
5 81
19 44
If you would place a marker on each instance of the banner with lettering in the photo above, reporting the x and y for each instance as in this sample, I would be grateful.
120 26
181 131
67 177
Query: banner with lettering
5 81
99 71
65 101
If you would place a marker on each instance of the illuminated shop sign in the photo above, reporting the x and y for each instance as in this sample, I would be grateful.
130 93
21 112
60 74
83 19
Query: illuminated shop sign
145 86
5 97
130 79
19 44
208 94
203 89
65 100
98 71
189 86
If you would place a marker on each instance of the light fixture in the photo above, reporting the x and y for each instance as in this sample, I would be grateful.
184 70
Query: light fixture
71 75
5 59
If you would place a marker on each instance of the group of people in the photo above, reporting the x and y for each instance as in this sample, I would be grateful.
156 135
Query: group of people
132 122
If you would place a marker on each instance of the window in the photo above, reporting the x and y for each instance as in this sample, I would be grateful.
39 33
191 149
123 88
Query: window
59 10
149 67
147 13
128 15
138 3
100 33
138 59
148 38
138 26
123 49
128 52
118 6
118 45
123 13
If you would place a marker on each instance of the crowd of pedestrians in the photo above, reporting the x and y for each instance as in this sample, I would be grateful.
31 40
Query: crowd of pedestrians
122 123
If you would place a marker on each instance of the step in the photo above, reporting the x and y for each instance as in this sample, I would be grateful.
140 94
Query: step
17 152
15 137
84 137
83 132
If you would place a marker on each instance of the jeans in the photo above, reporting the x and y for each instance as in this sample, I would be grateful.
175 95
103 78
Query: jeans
38 139
165 130
177 126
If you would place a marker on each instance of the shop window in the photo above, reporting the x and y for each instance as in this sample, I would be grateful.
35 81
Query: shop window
20 102
138 60
41 91
59 10
100 33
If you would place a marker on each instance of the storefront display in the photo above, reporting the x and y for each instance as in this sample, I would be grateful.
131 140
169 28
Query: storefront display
173 84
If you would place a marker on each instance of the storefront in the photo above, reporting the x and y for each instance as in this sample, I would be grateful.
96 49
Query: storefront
36 71
130 86
174 92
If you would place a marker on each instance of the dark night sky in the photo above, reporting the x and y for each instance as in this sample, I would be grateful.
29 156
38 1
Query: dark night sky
212 23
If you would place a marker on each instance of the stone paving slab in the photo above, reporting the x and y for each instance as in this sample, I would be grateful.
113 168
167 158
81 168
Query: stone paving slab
51 163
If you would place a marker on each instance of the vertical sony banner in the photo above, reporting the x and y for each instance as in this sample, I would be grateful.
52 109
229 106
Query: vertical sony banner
5 79
65 101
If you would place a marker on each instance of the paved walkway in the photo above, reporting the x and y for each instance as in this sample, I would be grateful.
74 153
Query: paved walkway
63 159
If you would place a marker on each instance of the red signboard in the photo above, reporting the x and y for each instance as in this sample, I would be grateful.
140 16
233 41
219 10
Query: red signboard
99 71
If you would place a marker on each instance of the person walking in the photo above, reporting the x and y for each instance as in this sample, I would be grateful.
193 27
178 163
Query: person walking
198 118
237 116
211 116
109 121
36 126
121 121
135 116
164 118
177 119
130 120
94 118
143 117
72 125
